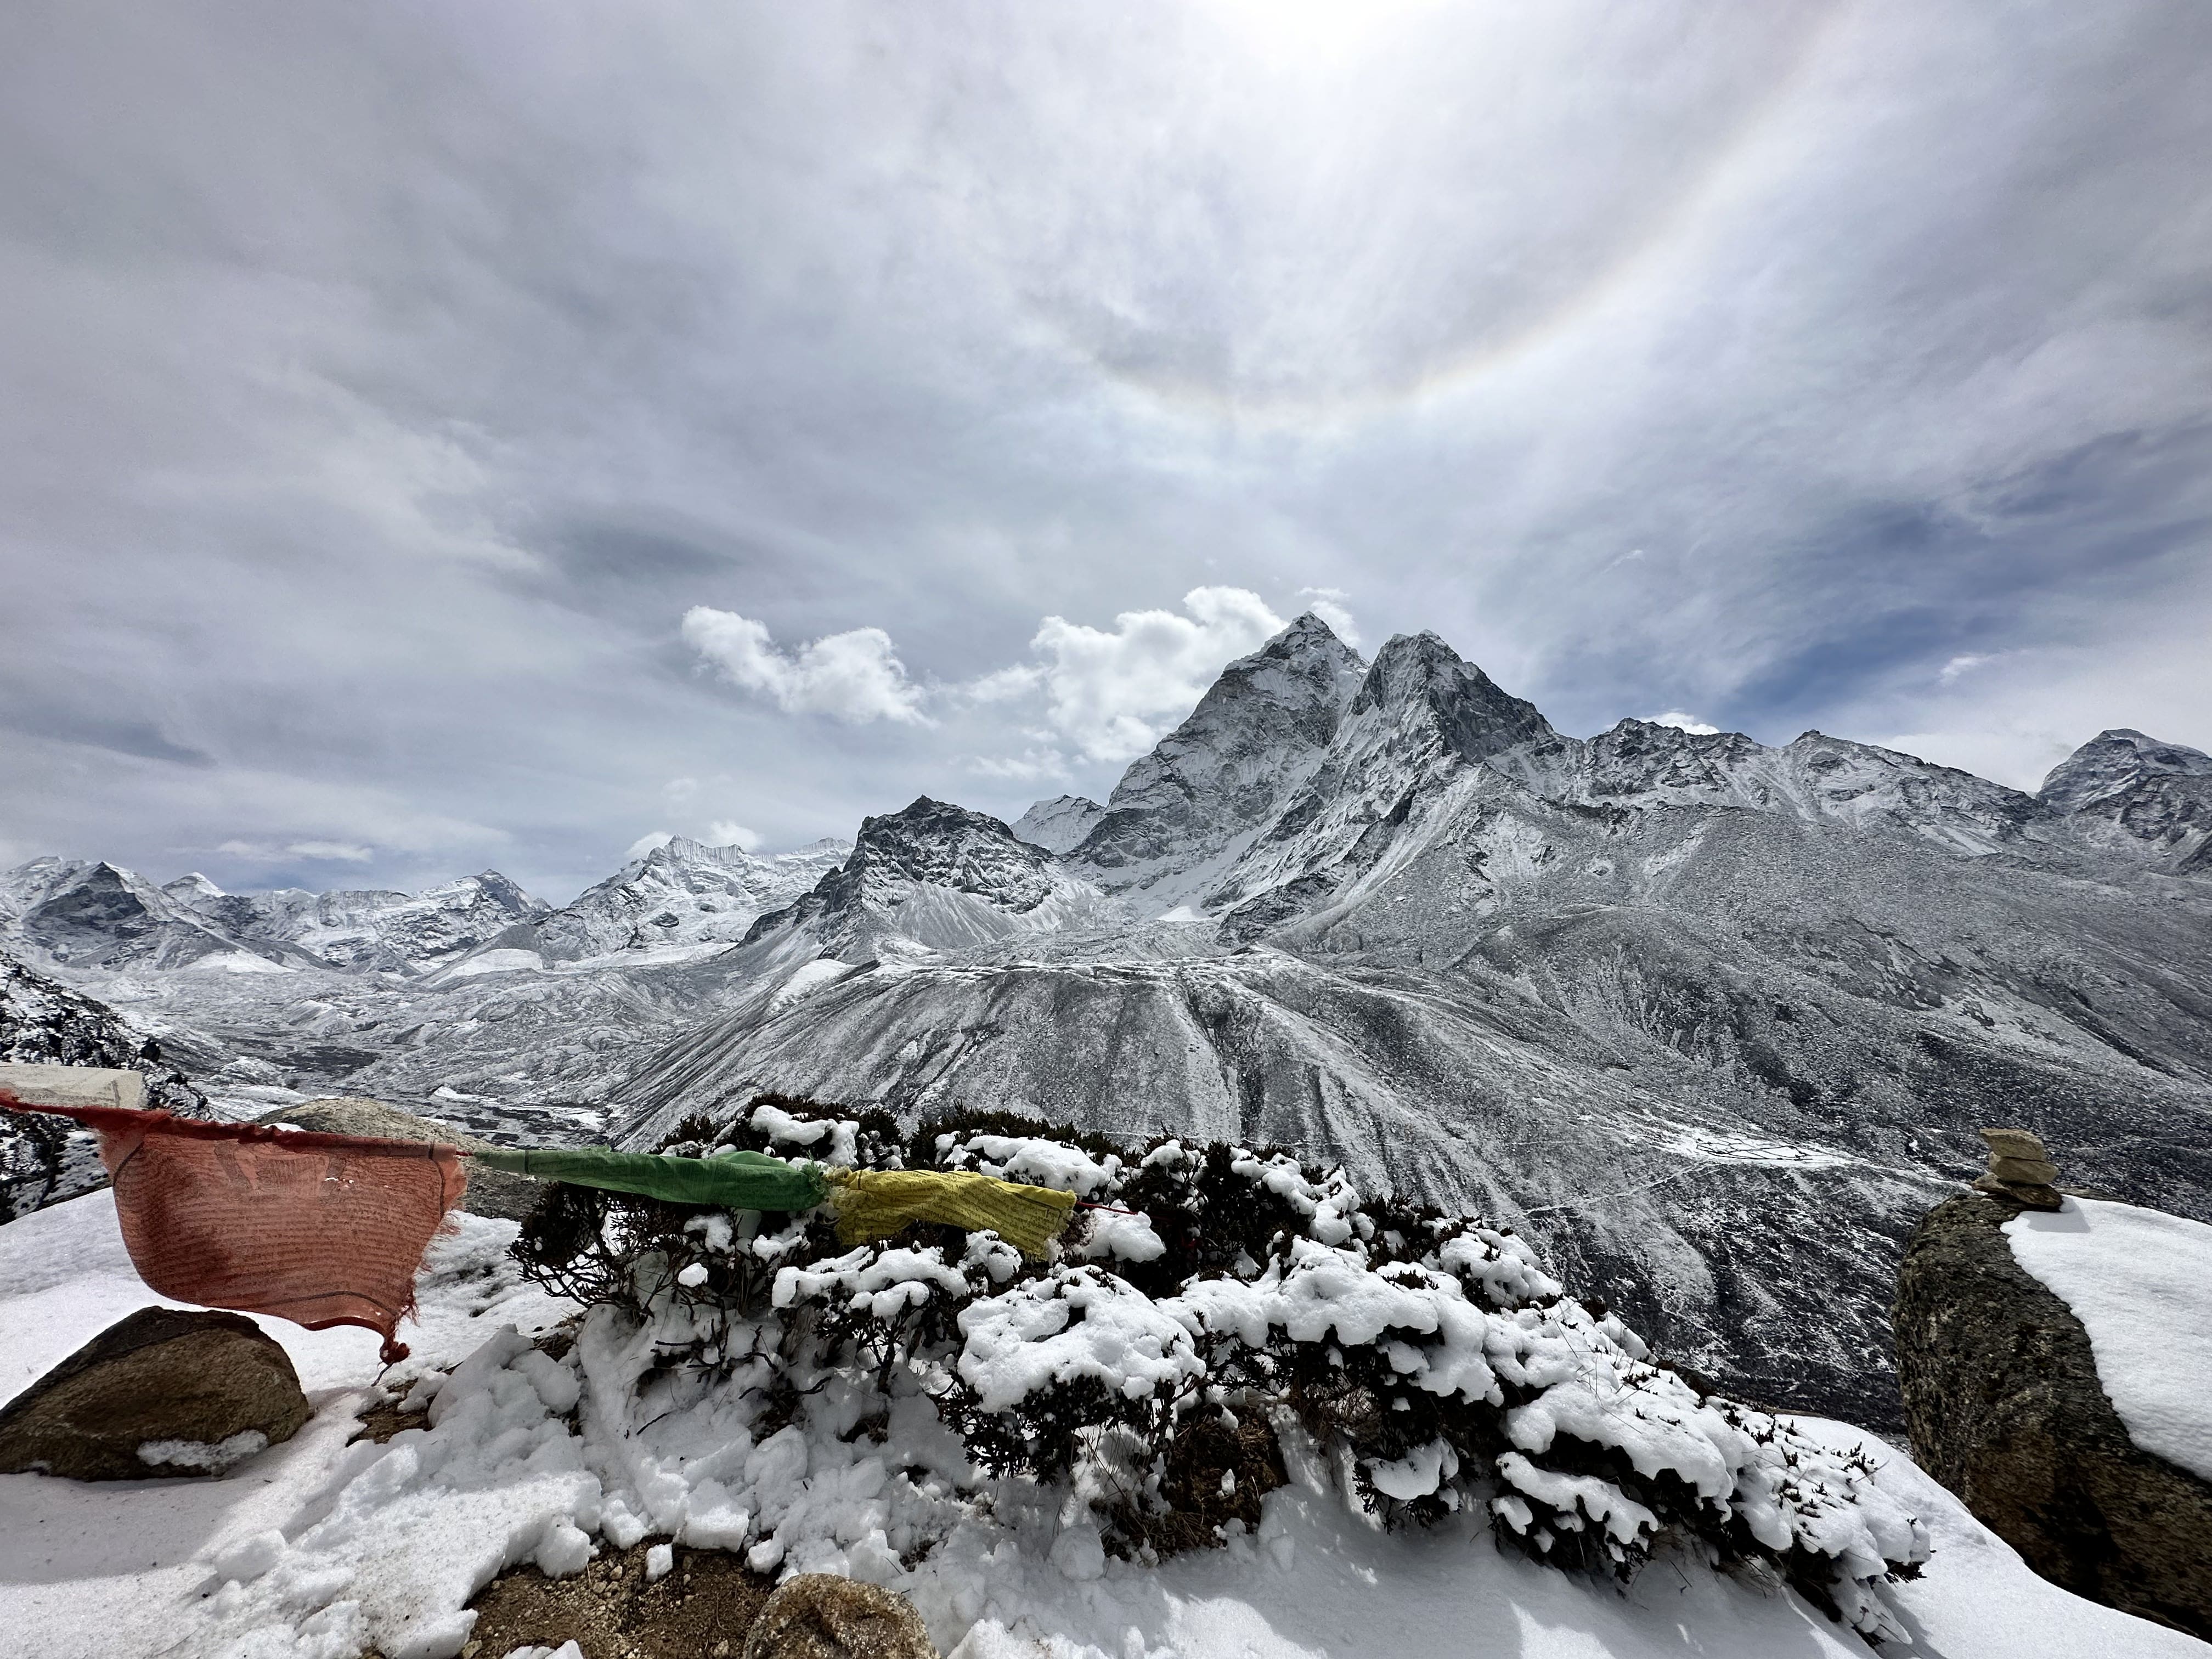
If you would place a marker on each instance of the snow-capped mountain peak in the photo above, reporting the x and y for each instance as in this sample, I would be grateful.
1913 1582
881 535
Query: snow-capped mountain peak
1060 824
2114 762
682 893
933 877
1422 716
1420 688
1183 812
2126 791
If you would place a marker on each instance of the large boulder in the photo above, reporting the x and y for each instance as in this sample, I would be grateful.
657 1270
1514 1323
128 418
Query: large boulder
2004 1408
164 1392
818 1615
490 1192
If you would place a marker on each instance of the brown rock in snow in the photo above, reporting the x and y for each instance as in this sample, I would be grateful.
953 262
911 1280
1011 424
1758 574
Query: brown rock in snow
2005 1407
165 1392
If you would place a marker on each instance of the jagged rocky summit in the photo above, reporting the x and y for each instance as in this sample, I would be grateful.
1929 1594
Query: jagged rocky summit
1714 1020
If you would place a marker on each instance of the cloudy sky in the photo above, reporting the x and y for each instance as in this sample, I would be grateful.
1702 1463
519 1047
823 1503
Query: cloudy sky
445 436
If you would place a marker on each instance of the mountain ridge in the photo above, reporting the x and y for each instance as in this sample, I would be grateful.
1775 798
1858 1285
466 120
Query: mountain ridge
1712 1019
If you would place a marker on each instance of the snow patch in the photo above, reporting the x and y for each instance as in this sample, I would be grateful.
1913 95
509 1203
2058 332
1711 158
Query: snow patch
2141 1283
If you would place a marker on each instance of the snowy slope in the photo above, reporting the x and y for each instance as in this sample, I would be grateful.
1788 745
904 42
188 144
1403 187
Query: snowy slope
683 893
1059 824
95 916
366 930
2141 1283
316 1550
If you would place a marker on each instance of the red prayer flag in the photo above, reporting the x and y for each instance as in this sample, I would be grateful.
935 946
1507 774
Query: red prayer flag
321 1229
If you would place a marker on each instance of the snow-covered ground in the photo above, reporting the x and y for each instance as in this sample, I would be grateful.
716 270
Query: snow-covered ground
314 1550
2141 1283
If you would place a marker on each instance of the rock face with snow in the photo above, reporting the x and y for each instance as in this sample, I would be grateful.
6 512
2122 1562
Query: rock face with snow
95 915
2124 790
1060 824
46 1023
682 893
2006 1407
370 931
1183 811
165 1392
932 877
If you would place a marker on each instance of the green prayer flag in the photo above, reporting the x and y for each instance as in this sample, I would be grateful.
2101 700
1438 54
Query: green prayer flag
734 1180
871 1204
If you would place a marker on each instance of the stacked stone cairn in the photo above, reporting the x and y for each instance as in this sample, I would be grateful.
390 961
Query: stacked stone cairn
2020 1169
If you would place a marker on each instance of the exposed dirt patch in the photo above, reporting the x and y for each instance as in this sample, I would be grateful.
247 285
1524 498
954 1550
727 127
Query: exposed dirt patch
1214 1474
701 1610
386 1419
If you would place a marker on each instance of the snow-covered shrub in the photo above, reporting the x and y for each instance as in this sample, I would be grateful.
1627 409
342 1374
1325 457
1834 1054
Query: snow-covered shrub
1217 1291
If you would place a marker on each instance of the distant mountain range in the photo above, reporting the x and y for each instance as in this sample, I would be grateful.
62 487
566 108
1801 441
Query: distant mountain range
1715 1020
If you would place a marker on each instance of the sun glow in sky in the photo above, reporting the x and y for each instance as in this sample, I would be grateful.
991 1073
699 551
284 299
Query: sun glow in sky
448 437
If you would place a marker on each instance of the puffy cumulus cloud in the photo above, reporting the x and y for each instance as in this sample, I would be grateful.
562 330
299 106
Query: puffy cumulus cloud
1004 684
854 676
728 832
1111 692
1683 722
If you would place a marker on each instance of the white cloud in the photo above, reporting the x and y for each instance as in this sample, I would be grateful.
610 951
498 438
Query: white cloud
727 832
652 840
1683 722
679 792
1328 604
1113 693
1033 766
1004 684
341 852
853 676
1949 673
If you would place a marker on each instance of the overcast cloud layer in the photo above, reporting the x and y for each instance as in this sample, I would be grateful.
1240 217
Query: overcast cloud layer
444 436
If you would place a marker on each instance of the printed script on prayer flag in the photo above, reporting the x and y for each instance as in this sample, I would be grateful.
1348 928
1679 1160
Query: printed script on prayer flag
321 1229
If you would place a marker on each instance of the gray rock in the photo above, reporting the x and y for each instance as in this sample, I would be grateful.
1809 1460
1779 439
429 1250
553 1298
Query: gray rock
2014 1143
2004 1408
2024 1171
491 1192
165 1392
820 1616
2031 1194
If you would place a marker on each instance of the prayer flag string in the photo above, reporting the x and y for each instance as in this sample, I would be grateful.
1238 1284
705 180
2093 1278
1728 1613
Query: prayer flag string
330 1230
